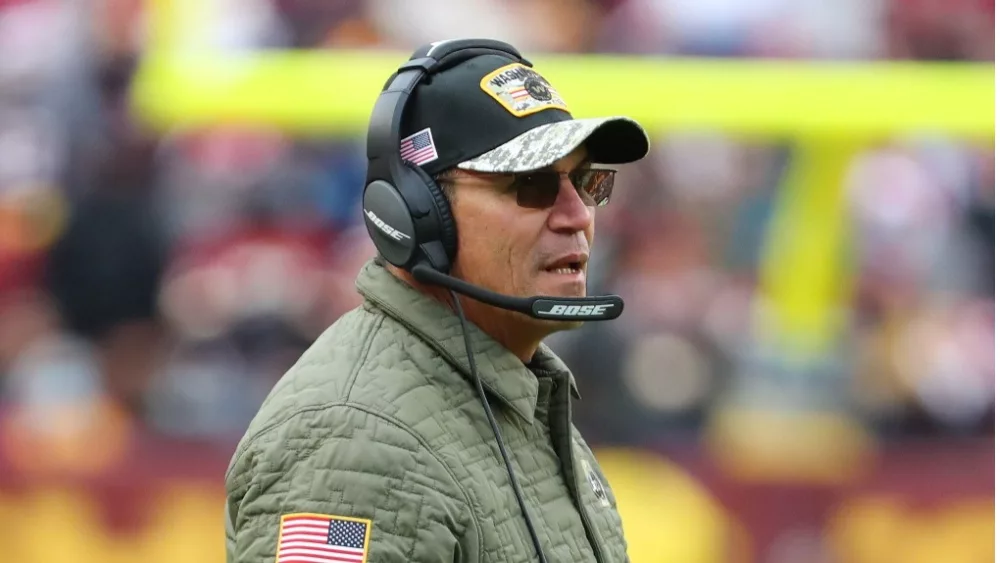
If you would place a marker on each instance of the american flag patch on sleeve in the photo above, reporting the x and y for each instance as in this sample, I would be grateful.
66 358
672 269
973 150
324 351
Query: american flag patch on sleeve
419 147
321 538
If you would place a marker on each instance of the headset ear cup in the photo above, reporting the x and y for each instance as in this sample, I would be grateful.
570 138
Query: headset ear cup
449 231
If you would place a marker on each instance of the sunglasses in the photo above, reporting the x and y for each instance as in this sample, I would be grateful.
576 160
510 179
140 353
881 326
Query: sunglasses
539 190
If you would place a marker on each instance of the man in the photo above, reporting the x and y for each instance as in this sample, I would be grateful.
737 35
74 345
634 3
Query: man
375 446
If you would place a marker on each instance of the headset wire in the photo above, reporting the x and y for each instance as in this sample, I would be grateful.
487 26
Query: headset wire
496 429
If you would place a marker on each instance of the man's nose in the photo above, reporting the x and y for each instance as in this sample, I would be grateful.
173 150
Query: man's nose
569 213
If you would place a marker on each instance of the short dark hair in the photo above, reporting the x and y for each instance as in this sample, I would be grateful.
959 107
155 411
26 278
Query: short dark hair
444 179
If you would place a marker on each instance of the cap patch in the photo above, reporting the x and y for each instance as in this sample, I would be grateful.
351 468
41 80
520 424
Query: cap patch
521 90
419 147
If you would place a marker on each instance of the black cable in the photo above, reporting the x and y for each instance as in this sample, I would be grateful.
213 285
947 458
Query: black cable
496 429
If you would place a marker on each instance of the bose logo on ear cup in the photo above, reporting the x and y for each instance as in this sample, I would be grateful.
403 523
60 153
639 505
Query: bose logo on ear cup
577 310
395 234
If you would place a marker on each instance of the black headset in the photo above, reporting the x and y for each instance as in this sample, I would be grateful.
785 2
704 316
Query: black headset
410 210
408 217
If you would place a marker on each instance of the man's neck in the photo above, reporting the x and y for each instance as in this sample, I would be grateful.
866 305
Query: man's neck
512 330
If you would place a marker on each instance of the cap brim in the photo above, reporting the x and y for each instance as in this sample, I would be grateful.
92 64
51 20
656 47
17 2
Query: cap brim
609 140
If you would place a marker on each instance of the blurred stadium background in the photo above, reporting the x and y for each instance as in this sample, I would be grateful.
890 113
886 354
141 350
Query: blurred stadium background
810 378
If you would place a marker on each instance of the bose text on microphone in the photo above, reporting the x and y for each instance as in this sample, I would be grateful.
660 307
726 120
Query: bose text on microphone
599 308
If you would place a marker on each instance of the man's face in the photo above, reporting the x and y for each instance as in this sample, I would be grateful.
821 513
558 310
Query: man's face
517 250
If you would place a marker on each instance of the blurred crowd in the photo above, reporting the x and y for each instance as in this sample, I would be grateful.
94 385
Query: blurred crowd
162 282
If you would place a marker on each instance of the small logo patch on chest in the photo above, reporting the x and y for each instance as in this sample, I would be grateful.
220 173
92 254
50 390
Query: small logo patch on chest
596 485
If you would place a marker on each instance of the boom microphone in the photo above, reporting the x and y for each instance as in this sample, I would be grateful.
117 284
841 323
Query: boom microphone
599 308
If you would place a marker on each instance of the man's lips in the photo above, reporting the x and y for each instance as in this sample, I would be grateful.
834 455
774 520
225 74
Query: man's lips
568 264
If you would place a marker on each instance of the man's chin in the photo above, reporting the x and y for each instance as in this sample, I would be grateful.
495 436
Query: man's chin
562 284
560 326
562 289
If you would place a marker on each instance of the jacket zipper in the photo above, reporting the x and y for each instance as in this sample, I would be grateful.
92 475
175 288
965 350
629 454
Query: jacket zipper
581 507
589 526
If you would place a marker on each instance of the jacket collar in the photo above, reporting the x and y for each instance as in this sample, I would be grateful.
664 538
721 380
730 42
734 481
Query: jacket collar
502 373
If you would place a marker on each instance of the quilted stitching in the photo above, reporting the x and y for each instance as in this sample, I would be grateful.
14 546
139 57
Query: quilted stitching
377 422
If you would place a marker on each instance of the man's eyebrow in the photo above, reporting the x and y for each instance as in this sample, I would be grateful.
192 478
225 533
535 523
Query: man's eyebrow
585 163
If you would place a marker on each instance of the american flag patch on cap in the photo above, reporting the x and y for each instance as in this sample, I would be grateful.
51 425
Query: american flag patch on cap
419 148
319 538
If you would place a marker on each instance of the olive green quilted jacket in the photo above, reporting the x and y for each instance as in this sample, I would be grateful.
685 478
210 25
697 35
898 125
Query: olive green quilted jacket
375 447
